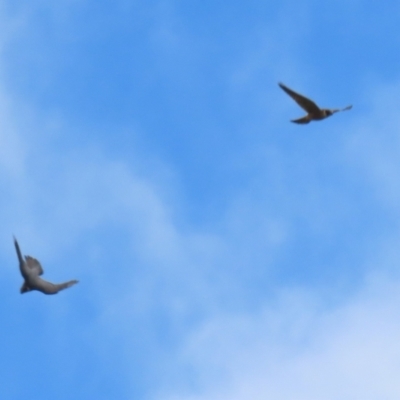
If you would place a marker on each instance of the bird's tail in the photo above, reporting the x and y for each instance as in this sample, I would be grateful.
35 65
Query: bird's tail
25 288
335 110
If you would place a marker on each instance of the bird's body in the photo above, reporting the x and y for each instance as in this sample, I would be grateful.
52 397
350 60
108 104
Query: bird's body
314 113
31 270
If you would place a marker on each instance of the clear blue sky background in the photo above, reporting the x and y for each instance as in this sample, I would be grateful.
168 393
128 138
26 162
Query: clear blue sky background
223 252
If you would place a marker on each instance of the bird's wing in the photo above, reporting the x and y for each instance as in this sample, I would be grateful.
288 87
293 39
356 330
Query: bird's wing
303 120
34 265
307 104
51 288
22 264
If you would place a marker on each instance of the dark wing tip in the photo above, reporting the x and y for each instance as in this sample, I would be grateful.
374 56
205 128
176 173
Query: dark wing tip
288 91
72 283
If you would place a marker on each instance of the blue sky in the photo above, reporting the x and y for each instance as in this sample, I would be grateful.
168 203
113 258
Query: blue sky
222 251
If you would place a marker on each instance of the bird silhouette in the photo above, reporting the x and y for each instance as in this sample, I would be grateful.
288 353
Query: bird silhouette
31 270
313 111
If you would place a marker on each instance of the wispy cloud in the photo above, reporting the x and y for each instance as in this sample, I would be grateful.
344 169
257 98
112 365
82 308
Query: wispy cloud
286 289
295 349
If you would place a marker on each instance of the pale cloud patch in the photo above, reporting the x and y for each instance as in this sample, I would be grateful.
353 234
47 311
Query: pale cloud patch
296 349
298 346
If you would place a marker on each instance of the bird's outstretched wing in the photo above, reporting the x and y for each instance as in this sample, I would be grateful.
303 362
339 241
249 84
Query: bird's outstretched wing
303 120
52 288
305 103
22 265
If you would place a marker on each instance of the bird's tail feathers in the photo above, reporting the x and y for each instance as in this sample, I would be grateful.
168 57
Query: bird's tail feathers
335 110
25 288
347 108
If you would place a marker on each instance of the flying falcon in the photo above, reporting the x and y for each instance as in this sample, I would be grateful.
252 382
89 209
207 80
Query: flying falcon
313 111
31 270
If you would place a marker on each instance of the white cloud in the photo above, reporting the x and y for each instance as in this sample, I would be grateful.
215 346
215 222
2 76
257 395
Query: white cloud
294 350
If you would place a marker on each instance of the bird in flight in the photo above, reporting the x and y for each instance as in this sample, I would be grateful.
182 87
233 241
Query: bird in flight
313 111
31 270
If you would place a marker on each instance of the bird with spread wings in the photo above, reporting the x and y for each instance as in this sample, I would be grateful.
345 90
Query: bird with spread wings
314 113
31 270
